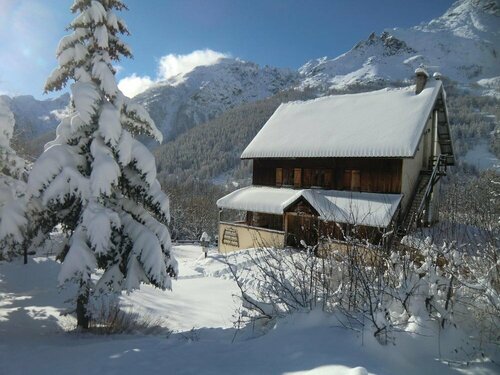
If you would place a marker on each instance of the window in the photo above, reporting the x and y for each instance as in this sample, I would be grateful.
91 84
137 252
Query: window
288 174
322 178
307 177
319 177
285 176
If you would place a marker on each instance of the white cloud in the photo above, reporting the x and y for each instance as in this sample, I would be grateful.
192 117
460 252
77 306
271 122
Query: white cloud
172 65
60 114
134 85
169 66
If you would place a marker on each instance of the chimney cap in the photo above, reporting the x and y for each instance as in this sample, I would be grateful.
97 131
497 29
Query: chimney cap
437 76
421 71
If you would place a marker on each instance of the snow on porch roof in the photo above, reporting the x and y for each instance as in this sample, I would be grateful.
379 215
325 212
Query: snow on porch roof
383 123
371 209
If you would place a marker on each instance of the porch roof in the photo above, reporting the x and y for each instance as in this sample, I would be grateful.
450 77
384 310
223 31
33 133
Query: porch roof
370 209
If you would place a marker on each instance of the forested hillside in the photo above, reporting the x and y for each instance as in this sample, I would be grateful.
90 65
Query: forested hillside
474 118
213 148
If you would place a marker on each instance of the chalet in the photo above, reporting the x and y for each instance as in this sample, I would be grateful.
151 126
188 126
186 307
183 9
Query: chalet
358 165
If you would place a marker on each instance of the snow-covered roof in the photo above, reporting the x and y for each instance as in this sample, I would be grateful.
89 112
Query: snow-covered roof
383 123
369 209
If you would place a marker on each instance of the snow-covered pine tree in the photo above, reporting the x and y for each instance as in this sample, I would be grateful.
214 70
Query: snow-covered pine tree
12 189
95 179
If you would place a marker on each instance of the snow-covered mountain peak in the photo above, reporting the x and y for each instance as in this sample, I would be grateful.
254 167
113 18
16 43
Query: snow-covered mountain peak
197 96
369 62
230 70
463 44
468 19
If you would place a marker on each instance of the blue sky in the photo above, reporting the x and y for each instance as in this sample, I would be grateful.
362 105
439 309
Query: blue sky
283 33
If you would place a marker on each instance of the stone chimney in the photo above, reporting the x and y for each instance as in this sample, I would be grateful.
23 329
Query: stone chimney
421 77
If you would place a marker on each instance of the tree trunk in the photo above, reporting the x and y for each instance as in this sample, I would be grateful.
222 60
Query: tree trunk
81 310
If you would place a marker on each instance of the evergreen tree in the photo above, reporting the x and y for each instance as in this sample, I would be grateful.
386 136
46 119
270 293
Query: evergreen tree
12 189
95 179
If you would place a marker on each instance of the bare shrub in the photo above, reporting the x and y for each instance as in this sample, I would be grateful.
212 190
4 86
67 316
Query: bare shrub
114 320
376 289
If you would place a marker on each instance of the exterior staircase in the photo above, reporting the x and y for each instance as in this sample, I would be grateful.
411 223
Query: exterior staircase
418 200
425 185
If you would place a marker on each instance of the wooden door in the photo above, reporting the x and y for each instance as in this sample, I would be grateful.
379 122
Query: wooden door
301 227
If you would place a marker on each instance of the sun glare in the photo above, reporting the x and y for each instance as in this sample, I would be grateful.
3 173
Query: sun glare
28 32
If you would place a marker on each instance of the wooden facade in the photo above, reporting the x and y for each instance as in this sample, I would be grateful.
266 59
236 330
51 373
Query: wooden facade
300 221
374 175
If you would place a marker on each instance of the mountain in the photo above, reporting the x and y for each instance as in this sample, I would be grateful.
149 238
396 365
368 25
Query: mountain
35 117
184 101
463 44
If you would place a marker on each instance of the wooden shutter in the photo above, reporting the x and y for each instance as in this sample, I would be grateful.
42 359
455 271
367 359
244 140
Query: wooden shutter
352 179
297 177
279 176
355 180
328 179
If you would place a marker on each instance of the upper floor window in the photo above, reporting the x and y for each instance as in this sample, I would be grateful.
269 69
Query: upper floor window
288 174
304 178
285 177
319 177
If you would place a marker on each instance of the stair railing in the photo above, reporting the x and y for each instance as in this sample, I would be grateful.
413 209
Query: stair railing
416 215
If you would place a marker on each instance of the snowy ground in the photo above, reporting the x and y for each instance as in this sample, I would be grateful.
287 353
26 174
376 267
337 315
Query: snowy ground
33 339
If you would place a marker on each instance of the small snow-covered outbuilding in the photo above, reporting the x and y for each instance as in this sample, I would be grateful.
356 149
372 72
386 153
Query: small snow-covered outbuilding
357 165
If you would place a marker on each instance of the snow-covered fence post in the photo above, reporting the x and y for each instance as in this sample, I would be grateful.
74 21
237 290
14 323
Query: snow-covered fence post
95 179
205 243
